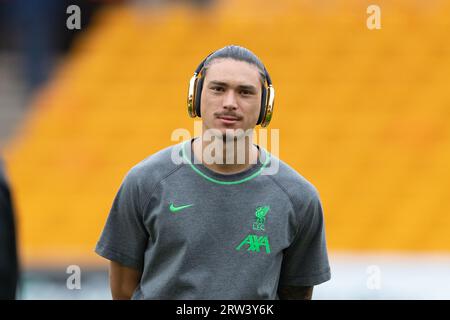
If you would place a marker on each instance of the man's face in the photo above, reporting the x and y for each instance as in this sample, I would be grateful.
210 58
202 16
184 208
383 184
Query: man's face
231 96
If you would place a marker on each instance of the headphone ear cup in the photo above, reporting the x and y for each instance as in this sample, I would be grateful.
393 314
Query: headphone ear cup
198 95
262 111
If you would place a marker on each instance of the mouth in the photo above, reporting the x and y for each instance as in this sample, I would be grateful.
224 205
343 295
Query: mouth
228 119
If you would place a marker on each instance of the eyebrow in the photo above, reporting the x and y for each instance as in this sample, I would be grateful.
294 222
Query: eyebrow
248 87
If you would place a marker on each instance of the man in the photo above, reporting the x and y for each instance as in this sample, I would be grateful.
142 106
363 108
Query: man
222 229
8 253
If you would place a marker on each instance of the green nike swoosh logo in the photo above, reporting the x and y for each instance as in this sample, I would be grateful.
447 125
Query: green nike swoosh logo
176 209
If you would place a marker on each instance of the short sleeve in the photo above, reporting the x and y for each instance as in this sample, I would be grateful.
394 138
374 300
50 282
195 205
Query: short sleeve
124 237
305 261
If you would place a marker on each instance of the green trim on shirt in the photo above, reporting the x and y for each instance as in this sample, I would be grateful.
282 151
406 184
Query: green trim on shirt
254 175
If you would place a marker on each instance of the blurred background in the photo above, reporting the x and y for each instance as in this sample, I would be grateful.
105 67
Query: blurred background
363 114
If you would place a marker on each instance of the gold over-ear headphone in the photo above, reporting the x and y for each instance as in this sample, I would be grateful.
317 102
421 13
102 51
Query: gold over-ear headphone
195 91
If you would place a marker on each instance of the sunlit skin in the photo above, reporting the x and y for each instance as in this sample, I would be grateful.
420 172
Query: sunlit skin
231 99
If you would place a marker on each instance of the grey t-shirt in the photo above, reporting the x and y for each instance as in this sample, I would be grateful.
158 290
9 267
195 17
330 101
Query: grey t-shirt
198 234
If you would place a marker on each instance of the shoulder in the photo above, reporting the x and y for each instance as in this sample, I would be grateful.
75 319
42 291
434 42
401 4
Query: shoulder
154 168
300 191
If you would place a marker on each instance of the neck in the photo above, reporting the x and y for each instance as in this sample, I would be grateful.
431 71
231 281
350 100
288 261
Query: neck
226 157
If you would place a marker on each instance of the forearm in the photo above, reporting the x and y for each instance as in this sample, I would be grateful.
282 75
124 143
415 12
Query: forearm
122 291
121 294
123 281
295 293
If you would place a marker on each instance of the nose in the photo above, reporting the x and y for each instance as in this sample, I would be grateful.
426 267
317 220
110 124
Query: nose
229 100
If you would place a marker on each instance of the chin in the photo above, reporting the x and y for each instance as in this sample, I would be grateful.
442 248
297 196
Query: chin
226 132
